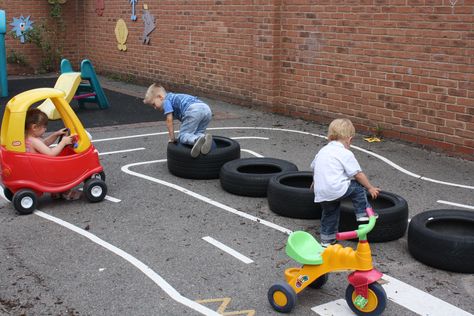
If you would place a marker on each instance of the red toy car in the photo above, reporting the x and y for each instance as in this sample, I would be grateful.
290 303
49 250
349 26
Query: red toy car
26 176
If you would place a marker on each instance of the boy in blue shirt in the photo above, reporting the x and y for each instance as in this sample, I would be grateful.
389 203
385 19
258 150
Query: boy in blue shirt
193 114
338 175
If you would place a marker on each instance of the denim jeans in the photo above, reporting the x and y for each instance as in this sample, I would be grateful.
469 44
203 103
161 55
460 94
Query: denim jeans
194 123
331 210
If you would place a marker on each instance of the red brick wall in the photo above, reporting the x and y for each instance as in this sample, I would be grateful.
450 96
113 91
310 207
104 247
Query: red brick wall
38 10
406 66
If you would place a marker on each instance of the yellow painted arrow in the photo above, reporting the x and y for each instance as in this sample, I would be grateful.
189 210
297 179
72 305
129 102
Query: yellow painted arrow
226 301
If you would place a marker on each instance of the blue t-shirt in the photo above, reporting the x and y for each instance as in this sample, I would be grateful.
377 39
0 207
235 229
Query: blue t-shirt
177 104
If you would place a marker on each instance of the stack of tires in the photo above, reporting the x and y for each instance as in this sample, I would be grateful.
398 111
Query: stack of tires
181 164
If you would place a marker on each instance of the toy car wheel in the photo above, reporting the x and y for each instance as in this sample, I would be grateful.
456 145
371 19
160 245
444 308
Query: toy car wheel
25 201
8 194
282 297
319 282
376 300
95 190
100 175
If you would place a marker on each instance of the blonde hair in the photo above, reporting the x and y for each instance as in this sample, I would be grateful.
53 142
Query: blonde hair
341 129
153 91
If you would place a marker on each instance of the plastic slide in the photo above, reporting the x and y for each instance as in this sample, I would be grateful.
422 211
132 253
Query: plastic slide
94 87
3 56
67 82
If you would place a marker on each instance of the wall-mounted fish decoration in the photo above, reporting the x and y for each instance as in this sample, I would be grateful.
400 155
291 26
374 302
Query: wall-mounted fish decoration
121 33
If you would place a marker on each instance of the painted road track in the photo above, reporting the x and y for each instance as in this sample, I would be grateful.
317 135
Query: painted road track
247 256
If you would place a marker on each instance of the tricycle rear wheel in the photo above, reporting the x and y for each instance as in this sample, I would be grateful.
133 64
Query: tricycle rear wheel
319 282
25 201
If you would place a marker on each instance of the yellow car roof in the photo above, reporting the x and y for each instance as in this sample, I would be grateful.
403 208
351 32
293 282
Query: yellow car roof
23 101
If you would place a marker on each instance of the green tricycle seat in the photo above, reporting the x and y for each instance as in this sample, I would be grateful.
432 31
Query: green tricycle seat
303 248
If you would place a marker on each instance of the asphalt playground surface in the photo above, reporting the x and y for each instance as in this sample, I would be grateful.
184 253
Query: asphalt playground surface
145 250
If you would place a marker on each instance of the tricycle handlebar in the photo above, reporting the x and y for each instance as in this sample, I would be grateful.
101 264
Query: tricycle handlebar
362 231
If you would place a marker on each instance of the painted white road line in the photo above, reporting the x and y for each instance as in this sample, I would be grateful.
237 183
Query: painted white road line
127 137
112 199
418 301
227 249
402 294
395 287
156 278
334 308
456 204
252 153
382 158
121 151
250 137
232 210
107 197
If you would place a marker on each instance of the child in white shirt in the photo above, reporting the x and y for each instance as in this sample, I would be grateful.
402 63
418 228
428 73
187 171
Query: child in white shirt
338 175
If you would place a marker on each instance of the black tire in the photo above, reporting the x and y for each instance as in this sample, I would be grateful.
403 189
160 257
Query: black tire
319 282
393 217
95 190
99 175
443 239
25 201
377 298
8 194
250 176
282 297
181 164
289 194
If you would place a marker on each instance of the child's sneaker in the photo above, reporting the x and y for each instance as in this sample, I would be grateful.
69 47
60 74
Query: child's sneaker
206 147
365 218
71 195
196 150
329 243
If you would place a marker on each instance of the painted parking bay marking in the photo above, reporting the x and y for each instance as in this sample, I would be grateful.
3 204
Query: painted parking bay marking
227 249
455 204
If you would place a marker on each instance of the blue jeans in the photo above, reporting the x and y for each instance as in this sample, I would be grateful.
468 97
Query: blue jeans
194 123
331 210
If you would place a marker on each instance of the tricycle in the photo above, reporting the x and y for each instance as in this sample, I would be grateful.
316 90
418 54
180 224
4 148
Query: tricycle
364 295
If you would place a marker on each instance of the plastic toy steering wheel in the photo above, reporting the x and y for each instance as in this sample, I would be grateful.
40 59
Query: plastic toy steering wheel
68 132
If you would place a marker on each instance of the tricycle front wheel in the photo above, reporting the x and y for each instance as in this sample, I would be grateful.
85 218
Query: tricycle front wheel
282 297
376 300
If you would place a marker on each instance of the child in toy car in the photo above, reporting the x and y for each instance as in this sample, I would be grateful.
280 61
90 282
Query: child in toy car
26 175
